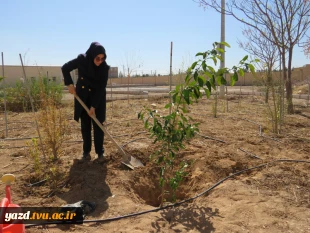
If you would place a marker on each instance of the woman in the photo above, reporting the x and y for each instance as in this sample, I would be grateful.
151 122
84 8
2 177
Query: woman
91 88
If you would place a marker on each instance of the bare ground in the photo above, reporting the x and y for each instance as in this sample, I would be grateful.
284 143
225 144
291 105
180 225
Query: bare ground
274 198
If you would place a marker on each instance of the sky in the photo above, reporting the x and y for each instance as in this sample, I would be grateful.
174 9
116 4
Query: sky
137 32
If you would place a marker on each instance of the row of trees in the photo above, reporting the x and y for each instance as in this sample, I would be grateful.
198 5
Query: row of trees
272 28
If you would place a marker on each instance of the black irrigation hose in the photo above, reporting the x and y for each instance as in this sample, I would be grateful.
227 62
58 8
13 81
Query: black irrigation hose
37 183
178 203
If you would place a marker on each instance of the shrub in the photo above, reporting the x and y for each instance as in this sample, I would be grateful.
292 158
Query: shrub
18 99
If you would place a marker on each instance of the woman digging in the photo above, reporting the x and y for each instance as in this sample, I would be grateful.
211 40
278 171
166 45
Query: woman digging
91 88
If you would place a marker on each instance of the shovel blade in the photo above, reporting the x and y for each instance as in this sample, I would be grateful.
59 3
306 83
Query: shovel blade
132 163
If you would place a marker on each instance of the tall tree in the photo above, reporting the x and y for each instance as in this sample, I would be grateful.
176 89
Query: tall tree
287 21
262 49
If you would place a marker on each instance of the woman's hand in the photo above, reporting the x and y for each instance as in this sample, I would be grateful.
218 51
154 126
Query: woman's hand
92 112
71 89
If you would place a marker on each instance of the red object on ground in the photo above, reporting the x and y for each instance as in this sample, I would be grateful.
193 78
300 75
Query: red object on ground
5 204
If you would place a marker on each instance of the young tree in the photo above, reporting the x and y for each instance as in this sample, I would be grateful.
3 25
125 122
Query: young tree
287 21
171 132
262 49
131 64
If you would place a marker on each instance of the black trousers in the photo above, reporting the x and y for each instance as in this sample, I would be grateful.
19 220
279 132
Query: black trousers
86 126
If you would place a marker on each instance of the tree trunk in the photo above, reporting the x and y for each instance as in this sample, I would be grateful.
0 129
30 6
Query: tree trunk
288 84
284 73
268 84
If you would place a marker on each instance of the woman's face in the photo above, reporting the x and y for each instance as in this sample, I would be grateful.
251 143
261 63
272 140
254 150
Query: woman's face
99 59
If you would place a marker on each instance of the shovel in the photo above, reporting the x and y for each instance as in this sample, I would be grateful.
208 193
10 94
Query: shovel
127 160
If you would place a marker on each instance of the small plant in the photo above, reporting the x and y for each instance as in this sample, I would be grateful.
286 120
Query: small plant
55 177
173 130
273 107
34 152
53 123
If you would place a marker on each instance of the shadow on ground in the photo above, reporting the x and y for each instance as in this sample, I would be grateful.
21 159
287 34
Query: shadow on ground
86 181
184 218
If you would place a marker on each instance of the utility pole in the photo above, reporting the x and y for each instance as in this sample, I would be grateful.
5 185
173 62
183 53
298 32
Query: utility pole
222 65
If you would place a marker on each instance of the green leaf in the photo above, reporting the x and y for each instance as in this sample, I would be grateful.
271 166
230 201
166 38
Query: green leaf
205 55
214 60
197 92
221 71
245 58
212 82
234 78
220 50
204 66
188 133
219 57
194 65
196 75
186 95
187 77
208 93
211 69
184 110
223 80
201 81
168 105
252 68
226 44
208 74
219 80
174 98
208 85
146 124
192 84
241 72
199 54
183 118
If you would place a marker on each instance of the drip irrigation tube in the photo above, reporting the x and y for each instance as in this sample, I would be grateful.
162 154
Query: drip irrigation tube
37 183
178 203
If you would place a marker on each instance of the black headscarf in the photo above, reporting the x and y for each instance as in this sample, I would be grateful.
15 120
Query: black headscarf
95 49
95 72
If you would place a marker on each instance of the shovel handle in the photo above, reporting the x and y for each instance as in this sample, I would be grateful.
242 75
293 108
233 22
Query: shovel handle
125 156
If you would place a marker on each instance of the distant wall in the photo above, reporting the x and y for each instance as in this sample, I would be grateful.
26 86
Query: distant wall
14 73
298 74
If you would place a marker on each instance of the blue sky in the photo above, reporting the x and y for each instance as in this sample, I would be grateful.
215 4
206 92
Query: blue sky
54 32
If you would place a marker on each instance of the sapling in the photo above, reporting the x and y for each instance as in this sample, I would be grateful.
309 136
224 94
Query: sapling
173 130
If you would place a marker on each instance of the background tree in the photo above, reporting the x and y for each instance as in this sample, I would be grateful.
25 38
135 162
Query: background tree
306 47
287 21
262 49
131 64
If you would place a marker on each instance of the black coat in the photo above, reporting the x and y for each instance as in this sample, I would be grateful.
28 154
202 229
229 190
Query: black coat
92 92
